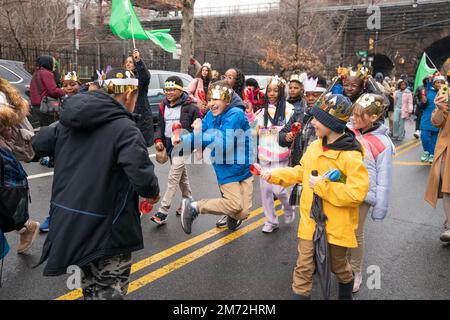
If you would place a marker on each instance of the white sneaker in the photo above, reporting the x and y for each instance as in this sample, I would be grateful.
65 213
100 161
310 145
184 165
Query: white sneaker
357 283
289 219
445 236
269 228
417 134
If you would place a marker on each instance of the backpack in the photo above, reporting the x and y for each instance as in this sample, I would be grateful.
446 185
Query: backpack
14 193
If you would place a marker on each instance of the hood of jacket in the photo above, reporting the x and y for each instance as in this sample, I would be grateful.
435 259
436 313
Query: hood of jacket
346 142
91 109
236 102
45 62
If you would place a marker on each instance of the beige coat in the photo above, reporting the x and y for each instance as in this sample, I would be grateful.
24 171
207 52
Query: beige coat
441 120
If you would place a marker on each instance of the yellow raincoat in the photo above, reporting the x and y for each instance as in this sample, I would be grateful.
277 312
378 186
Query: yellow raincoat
340 200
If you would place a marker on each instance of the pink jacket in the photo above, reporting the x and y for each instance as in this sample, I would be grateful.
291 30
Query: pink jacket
407 103
194 87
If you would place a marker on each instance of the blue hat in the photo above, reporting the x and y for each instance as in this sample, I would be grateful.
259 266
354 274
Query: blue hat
334 112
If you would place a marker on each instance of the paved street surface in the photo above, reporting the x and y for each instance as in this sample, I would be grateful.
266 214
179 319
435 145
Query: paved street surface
247 264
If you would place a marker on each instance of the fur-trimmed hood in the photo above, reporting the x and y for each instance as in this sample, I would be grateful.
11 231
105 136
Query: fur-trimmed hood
13 108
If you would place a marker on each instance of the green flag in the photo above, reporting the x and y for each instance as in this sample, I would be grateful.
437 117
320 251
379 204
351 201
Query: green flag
423 71
125 24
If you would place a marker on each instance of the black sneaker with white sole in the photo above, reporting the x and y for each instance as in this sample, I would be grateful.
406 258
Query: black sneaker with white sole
188 215
232 223
222 222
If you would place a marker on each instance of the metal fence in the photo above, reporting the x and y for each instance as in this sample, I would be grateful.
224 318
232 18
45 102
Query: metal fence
88 62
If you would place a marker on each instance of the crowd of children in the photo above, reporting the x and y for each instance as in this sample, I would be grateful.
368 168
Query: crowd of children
299 139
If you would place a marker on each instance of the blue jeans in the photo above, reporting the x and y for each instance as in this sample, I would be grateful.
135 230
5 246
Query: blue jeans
429 139
398 131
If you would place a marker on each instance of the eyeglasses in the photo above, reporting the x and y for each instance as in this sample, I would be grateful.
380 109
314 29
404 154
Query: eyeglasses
225 77
169 90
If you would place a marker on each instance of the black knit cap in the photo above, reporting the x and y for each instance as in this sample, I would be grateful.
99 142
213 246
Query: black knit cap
334 113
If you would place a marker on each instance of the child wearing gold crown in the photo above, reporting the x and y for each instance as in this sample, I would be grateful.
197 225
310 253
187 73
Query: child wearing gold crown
328 208
268 122
379 149
70 84
226 131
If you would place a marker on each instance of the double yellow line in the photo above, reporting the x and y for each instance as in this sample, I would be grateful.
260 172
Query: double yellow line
406 147
181 262
177 264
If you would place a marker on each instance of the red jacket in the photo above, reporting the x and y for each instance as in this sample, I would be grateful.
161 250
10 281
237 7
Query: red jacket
47 84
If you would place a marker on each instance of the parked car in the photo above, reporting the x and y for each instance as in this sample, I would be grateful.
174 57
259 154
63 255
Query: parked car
262 81
18 76
15 73
156 87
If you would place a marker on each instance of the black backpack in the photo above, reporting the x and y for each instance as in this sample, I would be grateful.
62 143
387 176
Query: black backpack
14 193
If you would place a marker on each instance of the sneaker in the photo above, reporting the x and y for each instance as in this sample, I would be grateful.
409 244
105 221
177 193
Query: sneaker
159 218
289 219
232 223
188 215
445 236
425 156
45 226
28 235
269 228
357 282
417 134
222 222
431 158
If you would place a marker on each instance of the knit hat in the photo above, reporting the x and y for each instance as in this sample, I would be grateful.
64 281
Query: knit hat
379 76
334 112
438 78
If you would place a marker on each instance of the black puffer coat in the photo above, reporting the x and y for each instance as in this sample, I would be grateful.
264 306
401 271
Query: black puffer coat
101 166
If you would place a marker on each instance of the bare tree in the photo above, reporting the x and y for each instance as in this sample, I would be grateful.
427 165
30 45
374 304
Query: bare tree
304 35
187 34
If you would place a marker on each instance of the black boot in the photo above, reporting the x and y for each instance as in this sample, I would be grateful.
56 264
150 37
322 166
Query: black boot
345 290
300 297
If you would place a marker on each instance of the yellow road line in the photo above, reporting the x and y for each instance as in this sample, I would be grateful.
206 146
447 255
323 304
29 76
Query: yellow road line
401 163
407 149
177 264
406 144
76 294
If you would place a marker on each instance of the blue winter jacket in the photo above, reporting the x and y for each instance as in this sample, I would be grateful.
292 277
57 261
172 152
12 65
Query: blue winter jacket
425 121
230 139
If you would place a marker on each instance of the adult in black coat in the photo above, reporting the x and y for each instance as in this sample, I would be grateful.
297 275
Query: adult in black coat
135 64
102 166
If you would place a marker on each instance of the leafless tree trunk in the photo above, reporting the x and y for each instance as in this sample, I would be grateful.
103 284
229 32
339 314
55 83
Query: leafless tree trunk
187 34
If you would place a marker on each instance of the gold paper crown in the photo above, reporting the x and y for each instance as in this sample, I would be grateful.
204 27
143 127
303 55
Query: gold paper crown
280 82
361 72
372 103
207 64
220 93
172 85
295 77
121 83
70 76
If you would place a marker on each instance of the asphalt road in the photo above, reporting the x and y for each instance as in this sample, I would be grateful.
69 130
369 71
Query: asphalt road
247 264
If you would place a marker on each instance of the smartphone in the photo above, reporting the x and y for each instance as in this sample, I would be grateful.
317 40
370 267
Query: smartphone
443 91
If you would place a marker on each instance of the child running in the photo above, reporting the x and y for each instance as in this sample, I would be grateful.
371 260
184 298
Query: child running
378 147
225 130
